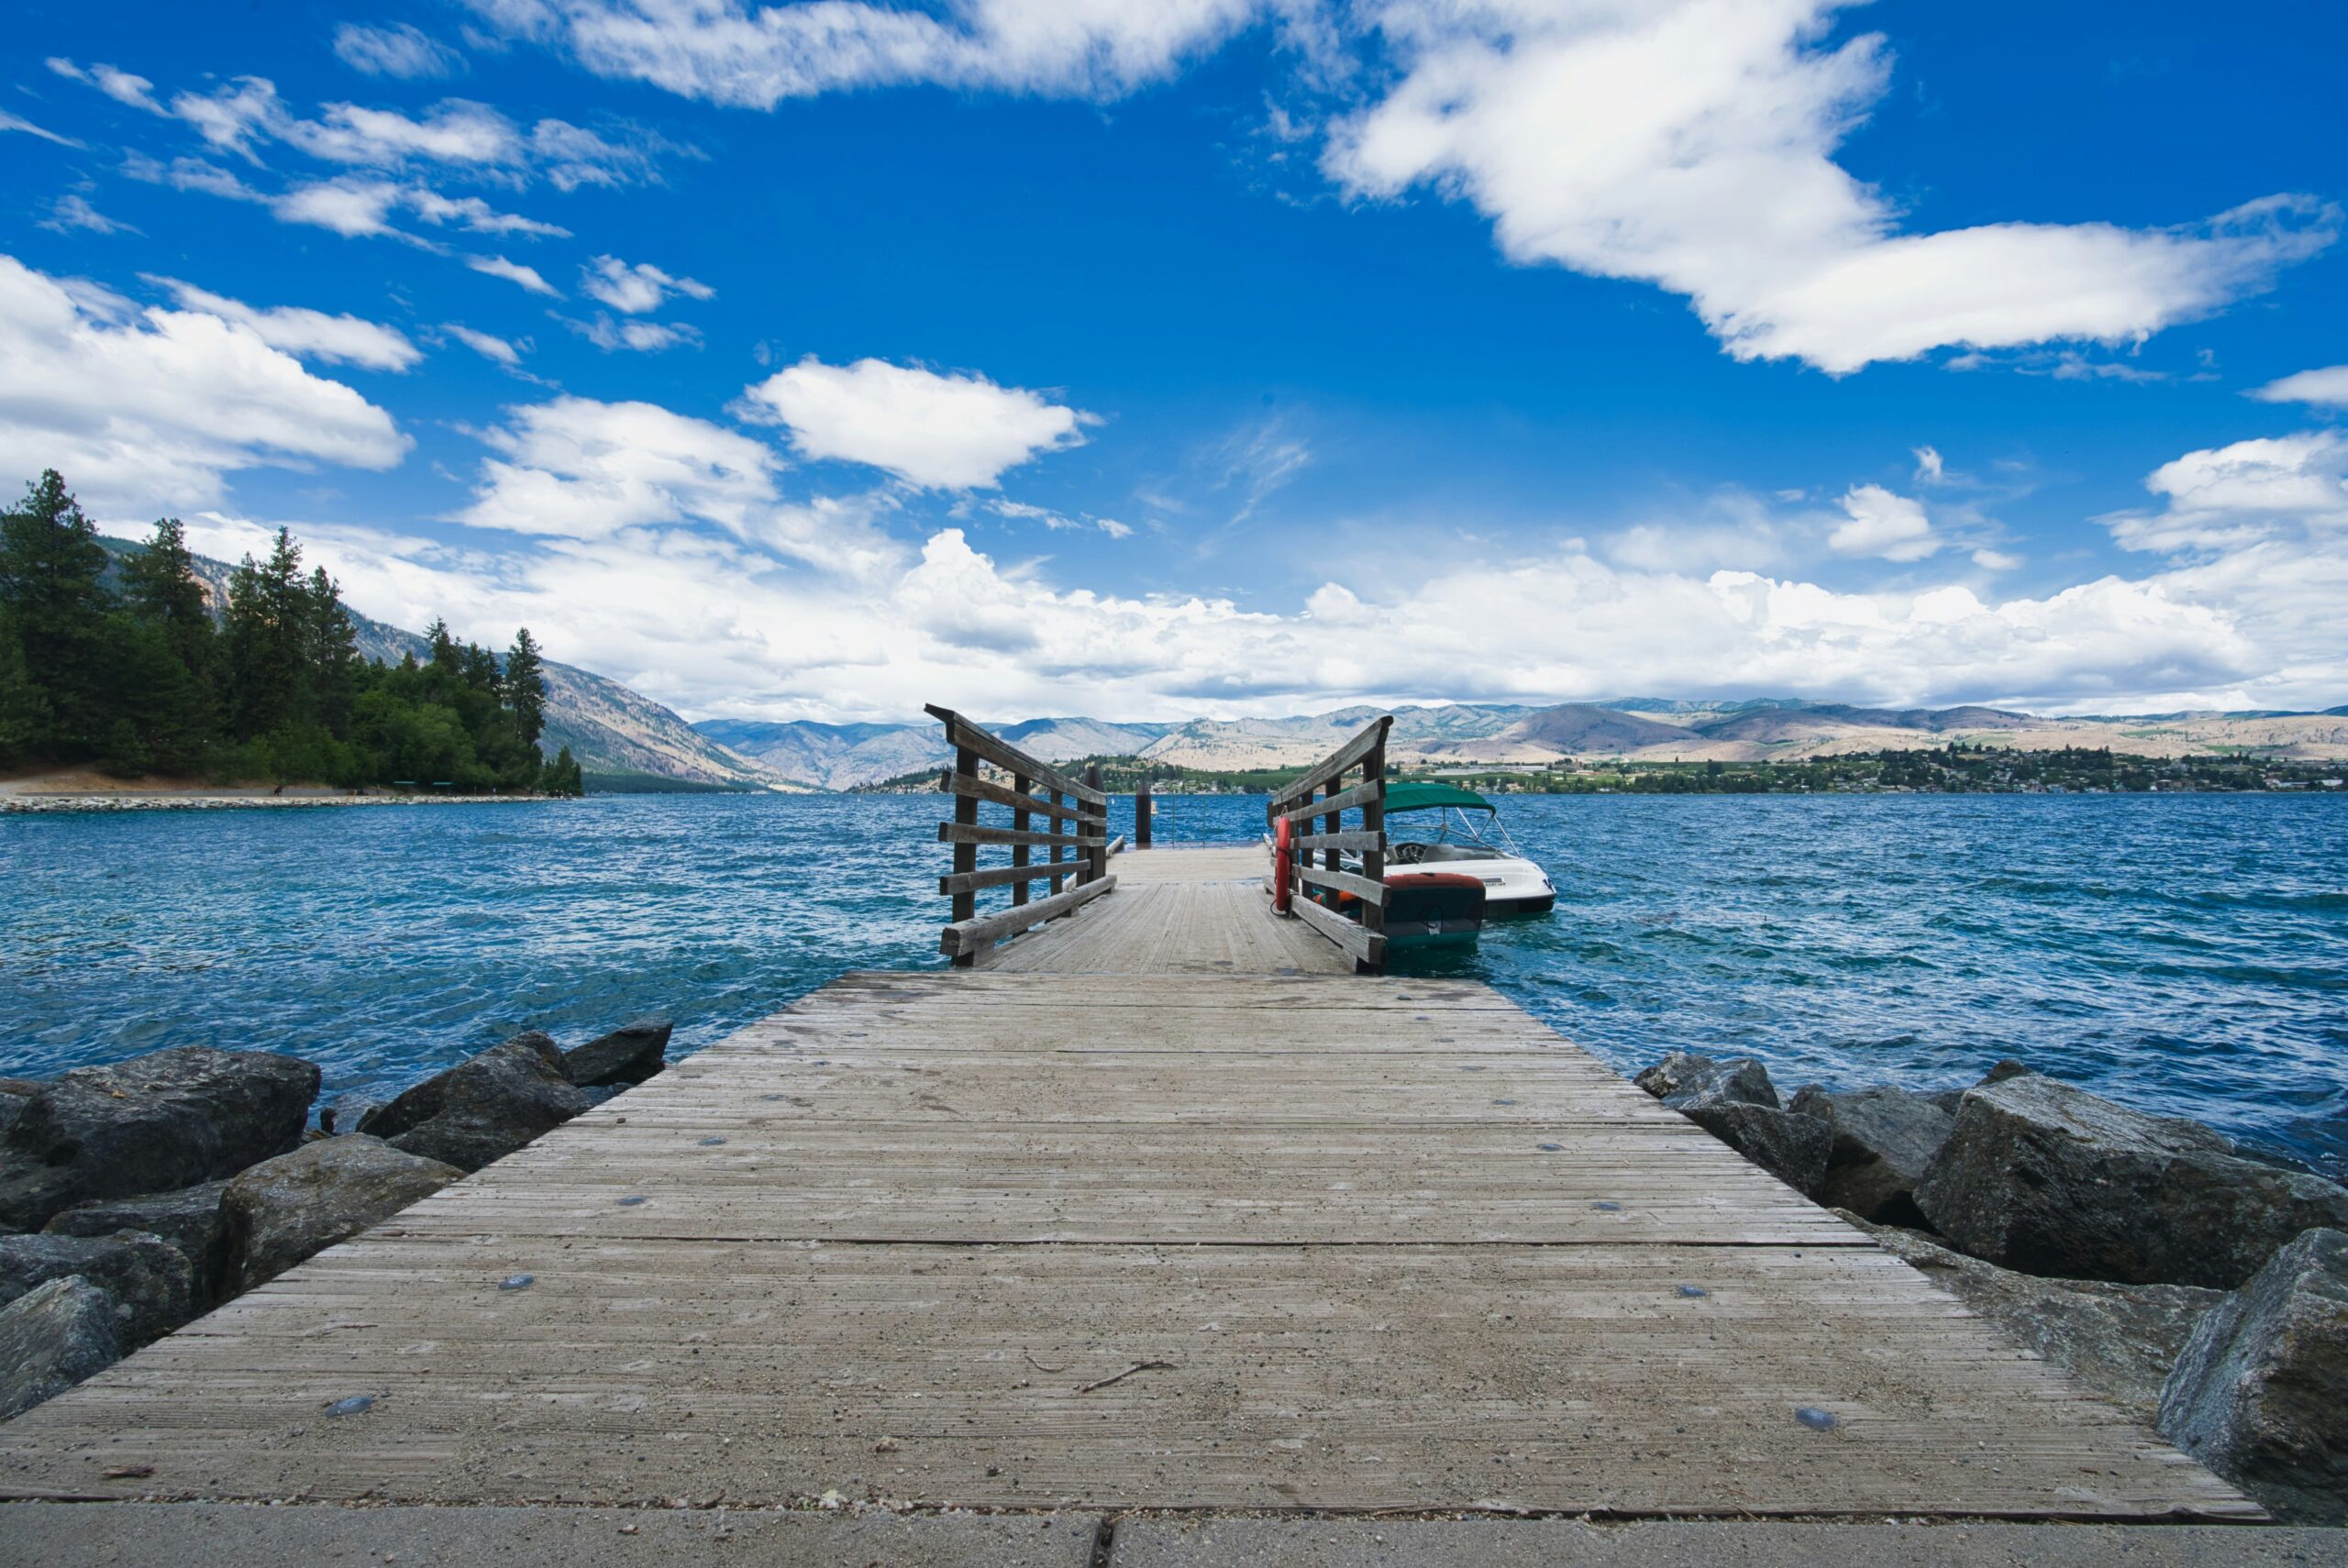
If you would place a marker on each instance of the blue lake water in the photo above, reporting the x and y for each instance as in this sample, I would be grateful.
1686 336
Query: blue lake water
2185 954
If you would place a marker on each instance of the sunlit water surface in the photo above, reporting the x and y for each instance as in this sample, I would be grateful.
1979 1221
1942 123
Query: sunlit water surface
2188 954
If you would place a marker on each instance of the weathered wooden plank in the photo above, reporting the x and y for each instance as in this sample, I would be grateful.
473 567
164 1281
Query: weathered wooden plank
1000 795
961 732
1343 801
1000 876
1364 945
1371 737
975 935
1222 929
1362 888
964 833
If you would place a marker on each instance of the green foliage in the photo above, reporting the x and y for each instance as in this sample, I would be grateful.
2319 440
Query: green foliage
275 690
525 687
50 564
24 708
562 775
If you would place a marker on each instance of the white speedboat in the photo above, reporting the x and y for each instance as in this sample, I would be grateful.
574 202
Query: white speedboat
1457 832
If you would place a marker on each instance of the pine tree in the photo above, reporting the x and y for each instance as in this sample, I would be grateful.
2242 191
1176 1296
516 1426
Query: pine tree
480 668
162 714
50 566
562 775
23 710
330 652
162 588
266 642
525 687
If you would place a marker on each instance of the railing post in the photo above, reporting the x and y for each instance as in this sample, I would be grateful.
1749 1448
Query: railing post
1373 820
1098 855
966 856
1141 814
1019 851
1315 803
1046 807
1058 799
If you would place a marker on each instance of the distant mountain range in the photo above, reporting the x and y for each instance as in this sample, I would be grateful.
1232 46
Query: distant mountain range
843 756
611 729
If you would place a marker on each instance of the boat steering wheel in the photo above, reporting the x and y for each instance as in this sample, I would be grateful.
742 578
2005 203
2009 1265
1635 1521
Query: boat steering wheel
1408 853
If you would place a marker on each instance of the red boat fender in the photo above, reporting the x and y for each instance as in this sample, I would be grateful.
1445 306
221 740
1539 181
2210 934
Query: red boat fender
1283 863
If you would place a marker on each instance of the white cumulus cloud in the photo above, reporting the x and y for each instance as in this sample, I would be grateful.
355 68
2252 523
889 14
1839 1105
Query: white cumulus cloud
1689 144
584 469
940 432
2228 497
2328 387
147 410
1885 524
634 289
344 340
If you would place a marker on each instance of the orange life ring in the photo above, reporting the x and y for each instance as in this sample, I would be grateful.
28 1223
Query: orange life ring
1283 863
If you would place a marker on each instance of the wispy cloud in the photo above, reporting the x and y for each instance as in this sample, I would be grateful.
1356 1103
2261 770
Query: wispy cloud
399 49
514 273
71 212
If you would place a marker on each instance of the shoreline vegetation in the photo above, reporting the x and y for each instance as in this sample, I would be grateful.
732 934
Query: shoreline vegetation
136 669
1957 769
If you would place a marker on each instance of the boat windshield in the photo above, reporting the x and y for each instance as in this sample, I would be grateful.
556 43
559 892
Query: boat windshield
1463 822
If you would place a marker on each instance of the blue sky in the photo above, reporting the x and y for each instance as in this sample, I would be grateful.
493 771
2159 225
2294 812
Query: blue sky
1213 356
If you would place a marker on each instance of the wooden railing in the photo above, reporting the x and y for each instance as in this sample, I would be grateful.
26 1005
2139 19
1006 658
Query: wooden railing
1075 816
1320 796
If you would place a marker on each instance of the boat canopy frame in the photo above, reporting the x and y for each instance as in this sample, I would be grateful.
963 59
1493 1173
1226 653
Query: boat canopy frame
1454 826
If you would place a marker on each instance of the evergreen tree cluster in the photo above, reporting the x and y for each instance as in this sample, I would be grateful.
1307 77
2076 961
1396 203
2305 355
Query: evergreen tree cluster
146 679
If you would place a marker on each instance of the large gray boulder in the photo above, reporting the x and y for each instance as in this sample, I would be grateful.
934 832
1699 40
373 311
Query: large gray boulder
153 1287
1789 1145
1735 1102
13 1093
481 1109
2050 1179
284 1209
2260 1394
52 1337
1885 1140
629 1054
189 1219
2119 1340
167 1120
1740 1078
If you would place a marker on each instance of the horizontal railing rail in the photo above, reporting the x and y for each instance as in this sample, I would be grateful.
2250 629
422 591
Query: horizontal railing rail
1314 805
1050 811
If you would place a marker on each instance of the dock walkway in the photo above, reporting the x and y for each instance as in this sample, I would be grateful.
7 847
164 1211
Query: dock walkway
1157 1207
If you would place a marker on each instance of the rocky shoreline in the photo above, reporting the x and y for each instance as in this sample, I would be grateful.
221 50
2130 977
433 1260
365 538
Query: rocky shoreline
2205 1291
135 1197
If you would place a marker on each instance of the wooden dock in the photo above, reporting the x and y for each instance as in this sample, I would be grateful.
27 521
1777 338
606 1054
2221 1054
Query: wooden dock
1159 1207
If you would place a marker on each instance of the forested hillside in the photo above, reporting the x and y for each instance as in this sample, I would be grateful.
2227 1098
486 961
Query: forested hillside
138 676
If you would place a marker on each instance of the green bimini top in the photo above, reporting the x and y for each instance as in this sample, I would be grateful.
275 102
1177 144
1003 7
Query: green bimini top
1433 798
